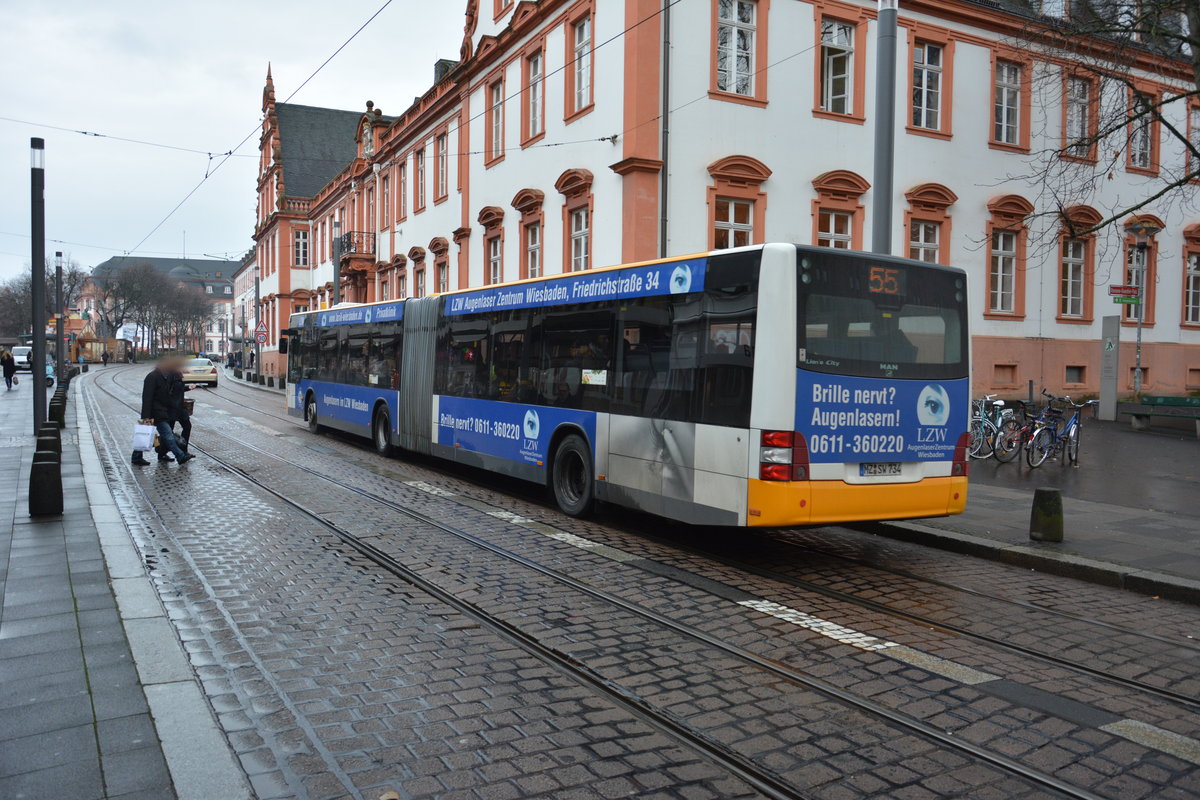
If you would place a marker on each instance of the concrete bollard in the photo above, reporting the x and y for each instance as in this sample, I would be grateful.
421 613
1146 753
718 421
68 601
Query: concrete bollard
1046 518
58 413
45 485
49 444
52 430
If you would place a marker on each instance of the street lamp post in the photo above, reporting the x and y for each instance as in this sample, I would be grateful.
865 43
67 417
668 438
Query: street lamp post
885 123
37 203
1142 232
59 366
337 262
257 318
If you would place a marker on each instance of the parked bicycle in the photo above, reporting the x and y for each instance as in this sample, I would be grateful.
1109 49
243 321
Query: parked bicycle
1013 436
1052 436
989 417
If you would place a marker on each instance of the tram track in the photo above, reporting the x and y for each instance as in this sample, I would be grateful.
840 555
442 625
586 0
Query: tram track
762 780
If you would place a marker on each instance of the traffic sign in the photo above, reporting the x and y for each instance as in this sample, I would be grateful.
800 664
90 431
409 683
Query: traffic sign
262 327
261 338
1128 301
1122 291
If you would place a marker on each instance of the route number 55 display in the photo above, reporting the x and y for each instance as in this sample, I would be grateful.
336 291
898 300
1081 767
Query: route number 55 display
886 280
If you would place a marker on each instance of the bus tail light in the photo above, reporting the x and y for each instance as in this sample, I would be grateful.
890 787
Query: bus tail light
961 466
783 456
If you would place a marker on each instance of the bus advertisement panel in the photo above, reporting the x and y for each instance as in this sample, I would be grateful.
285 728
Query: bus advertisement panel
509 431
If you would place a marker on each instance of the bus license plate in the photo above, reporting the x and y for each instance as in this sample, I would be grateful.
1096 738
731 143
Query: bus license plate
875 470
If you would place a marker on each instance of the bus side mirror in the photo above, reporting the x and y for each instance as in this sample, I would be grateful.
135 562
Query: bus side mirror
283 344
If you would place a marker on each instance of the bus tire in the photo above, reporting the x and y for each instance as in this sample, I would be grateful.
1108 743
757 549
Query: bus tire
572 478
380 428
310 414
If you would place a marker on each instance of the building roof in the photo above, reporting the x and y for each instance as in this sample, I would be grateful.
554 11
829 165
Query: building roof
201 270
315 145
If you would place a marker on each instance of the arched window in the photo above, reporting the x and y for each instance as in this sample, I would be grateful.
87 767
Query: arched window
928 223
838 209
1077 265
575 185
528 203
1006 264
737 204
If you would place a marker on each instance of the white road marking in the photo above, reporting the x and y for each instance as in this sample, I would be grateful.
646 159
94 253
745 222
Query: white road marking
508 516
1156 738
430 489
831 630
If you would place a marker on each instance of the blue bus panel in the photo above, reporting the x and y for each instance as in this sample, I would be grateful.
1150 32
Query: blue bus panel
847 419
510 431
352 406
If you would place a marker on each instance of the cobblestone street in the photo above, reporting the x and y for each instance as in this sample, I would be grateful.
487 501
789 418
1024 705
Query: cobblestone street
363 625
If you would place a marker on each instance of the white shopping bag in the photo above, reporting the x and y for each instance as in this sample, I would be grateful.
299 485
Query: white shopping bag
143 437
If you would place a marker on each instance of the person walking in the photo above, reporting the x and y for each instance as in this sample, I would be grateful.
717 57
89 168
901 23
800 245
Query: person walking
104 358
158 409
9 365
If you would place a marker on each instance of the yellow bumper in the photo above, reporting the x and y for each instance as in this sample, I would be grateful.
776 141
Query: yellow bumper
776 504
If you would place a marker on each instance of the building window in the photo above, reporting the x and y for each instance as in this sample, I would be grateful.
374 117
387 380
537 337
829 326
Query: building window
1136 267
443 278
927 86
533 250
837 60
495 245
534 96
208 290
300 248
1074 271
402 212
924 241
580 89
1007 122
419 180
733 225
1191 290
383 291
495 121
1194 139
835 229
369 222
1075 374
442 166
385 198
1079 118
228 290
580 239
401 286
1141 133
1003 274
736 29
420 281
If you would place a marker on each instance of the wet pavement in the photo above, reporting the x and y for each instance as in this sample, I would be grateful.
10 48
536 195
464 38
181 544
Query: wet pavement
363 625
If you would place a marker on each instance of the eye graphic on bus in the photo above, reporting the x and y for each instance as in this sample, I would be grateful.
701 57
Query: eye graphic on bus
367 315
933 405
681 279
533 424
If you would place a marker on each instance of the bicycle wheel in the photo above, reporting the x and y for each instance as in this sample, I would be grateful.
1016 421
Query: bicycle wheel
1073 445
981 439
1040 448
1008 440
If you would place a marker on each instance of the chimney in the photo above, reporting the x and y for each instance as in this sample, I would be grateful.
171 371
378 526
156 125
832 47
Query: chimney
441 69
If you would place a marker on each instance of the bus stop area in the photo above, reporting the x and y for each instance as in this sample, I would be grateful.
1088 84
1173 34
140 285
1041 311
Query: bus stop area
321 622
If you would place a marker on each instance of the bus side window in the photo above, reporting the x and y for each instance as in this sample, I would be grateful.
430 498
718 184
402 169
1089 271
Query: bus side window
577 358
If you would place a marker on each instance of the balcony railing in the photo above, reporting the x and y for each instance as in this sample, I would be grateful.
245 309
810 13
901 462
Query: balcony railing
358 243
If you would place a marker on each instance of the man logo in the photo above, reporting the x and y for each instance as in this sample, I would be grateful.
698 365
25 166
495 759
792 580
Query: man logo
933 405
681 279
533 425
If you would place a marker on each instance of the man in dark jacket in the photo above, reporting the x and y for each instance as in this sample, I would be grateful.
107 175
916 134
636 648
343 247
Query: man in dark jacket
179 414
158 409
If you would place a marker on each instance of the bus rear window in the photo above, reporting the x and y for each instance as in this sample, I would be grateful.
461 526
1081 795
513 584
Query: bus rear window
846 328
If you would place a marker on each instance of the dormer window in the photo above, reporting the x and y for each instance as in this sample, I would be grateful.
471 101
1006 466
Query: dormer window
368 141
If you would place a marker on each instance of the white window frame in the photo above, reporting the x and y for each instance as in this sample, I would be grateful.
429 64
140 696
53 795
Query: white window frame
1141 144
925 241
534 94
736 40
927 85
401 287
443 278
495 259
1074 275
581 31
402 212
1079 117
419 181
1137 260
1191 290
828 234
300 248
729 226
533 249
837 64
420 281
443 157
496 118
581 222
1002 272
1006 119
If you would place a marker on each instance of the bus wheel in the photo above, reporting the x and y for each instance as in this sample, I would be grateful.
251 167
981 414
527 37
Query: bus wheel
310 415
571 478
381 428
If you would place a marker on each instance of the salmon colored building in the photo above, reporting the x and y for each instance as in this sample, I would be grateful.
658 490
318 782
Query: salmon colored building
581 133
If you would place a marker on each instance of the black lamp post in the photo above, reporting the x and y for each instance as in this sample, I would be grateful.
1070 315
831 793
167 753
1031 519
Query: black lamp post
1142 232
37 207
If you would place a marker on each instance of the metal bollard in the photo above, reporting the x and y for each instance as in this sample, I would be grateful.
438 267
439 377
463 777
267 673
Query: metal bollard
1046 518
45 485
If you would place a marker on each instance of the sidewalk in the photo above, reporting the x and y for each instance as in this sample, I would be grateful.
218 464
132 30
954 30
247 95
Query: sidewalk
1146 538
75 719
97 697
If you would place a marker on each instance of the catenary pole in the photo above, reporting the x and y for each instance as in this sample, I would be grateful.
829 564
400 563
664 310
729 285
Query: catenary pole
885 124
37 207
59 367
337 262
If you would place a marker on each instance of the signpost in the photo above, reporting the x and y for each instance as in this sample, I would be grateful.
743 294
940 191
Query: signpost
1127 301
1110 351
1123 291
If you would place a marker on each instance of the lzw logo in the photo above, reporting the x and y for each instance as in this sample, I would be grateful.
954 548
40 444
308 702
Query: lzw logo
532 428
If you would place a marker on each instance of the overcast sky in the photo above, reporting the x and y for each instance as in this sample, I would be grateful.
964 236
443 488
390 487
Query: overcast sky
188 74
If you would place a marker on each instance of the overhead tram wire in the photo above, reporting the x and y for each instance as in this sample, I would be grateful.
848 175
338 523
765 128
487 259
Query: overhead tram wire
233 150
90 246
95 135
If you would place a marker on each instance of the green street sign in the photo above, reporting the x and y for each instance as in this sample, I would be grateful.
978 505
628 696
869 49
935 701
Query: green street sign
1128 301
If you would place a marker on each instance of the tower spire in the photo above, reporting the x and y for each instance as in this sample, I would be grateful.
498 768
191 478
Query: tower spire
268 90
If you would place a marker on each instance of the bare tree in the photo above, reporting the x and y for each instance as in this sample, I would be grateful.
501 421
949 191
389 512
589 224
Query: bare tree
1093 54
